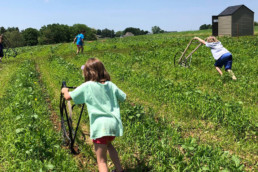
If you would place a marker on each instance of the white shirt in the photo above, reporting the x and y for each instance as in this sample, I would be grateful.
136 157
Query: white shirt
217 49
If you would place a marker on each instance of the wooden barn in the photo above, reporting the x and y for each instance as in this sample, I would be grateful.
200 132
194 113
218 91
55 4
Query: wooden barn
234 21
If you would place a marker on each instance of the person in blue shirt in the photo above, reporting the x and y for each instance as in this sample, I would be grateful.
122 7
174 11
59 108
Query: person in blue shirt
79 41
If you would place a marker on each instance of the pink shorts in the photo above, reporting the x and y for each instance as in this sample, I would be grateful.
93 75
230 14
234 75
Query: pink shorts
104 140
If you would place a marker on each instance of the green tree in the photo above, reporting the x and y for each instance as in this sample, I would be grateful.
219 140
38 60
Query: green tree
119 33
98 32
11 29
156 30
54 33
90 34
30 36
204 26
107 33
256 23
135 31
2 30
14 38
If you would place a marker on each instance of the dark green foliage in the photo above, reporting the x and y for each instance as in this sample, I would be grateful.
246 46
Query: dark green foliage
90 34
107 33
30 36
54 33
135 31
156 30
15 39
2 30
119 33
11 29
204 26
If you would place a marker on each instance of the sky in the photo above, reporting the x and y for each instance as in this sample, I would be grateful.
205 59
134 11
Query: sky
169 15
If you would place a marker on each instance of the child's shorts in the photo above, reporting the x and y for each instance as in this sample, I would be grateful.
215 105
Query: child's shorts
104 140
224 60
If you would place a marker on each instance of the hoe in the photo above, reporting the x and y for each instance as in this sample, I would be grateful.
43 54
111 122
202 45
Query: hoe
184 59
66 115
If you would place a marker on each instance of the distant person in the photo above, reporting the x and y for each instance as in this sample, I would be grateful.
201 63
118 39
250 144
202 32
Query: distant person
79 41
101 97
222 56
1 48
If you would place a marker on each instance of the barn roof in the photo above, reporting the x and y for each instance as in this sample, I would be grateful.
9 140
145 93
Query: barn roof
231 10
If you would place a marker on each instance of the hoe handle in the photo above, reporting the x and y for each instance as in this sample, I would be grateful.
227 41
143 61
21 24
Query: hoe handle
64 84
193 51
185 51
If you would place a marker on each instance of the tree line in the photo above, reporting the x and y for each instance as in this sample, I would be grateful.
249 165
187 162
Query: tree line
49 34
60 33
111 33
205 26
136 31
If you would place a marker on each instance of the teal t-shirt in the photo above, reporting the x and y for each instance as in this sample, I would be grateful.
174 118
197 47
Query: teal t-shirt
103 107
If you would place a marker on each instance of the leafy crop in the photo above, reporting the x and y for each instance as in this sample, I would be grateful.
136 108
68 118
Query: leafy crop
28 142
170 112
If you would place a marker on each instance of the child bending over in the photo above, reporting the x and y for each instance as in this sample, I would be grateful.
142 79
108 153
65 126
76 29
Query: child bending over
101 97
222 56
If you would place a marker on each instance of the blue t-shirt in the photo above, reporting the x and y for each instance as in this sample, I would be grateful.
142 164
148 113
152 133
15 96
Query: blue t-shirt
80 37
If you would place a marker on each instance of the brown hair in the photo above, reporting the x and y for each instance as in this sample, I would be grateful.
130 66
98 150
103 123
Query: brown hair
212 39
94 70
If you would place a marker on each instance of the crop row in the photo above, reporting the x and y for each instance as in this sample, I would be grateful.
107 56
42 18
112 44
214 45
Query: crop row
27 139
146 72
149 143
182 91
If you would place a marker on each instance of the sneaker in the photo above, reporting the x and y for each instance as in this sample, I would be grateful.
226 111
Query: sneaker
232 74
234 77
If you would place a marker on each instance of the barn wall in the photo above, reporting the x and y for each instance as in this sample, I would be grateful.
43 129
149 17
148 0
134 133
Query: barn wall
225 25
243 22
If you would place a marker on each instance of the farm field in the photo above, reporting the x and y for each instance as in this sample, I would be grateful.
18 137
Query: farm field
175 118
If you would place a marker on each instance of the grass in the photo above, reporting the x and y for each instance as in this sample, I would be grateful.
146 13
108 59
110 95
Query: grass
28 141
179 118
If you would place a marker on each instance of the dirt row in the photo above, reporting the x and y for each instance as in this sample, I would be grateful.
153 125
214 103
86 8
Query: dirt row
55 118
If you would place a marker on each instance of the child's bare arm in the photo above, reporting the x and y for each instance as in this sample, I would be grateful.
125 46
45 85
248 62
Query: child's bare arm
74 40
200 40
66 94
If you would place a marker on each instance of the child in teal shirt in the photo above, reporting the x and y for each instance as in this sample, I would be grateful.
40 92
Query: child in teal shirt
101 97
